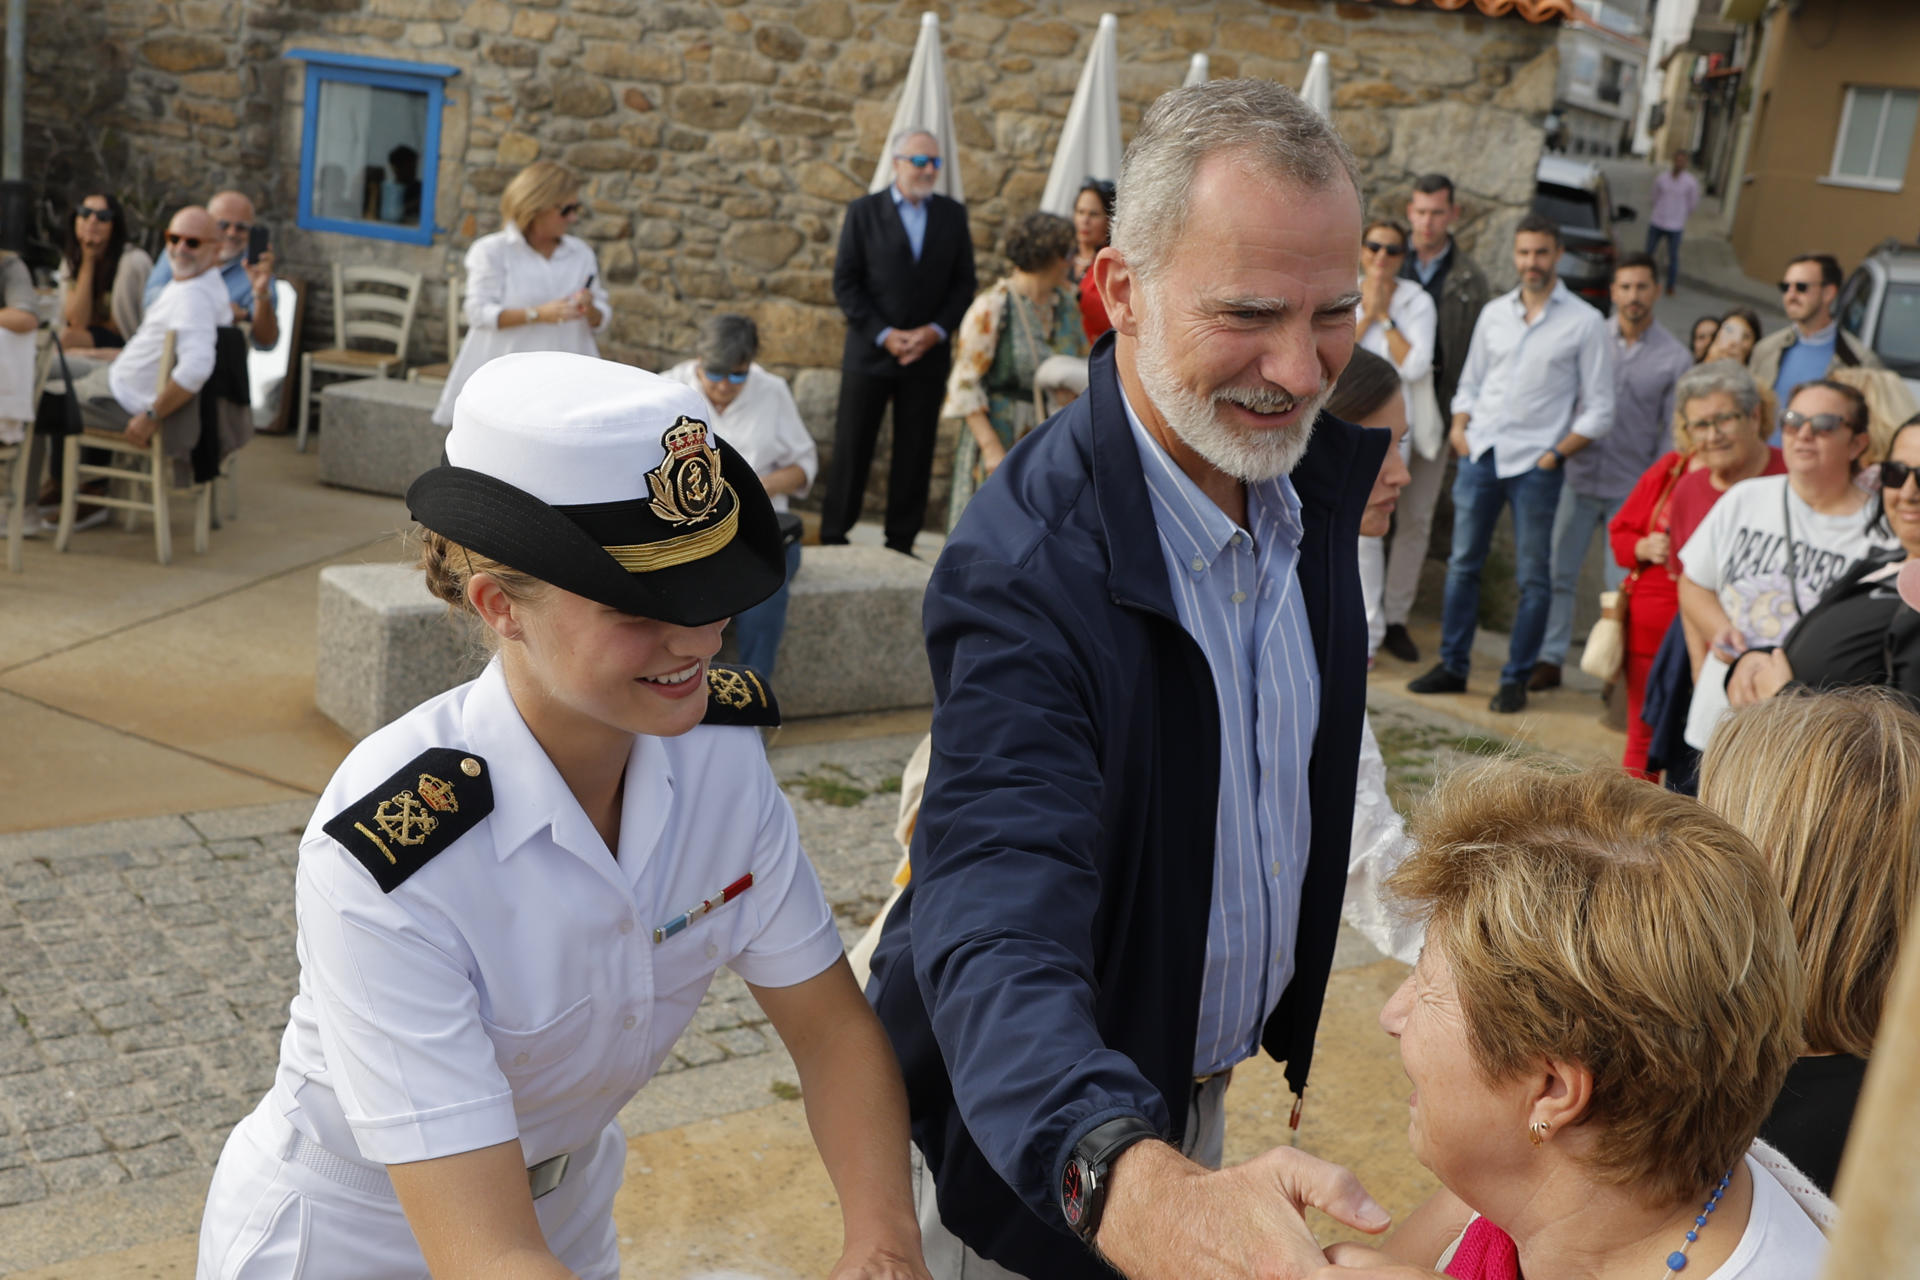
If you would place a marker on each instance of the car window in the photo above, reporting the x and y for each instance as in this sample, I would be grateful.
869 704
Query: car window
1854 297
1897 339
1567 206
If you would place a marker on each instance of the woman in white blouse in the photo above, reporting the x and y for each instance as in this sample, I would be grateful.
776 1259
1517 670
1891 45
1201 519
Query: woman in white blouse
530 285
753 411
1395 320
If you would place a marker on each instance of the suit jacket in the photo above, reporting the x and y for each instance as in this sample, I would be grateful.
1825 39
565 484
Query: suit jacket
1459 292
1041 974
879 285
1764 362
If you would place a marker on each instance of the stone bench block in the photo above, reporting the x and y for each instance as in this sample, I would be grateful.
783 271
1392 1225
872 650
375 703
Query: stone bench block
378 433
853 640
386 645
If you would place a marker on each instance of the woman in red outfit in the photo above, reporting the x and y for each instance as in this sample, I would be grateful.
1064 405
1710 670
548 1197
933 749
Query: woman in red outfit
1722 440
1092 226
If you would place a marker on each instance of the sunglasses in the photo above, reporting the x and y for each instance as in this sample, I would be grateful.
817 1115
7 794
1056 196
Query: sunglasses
1796 286
1824 423
725 375
921 161
234 228
1391 250
1893 475
98 215
570 208
174 237
1712 426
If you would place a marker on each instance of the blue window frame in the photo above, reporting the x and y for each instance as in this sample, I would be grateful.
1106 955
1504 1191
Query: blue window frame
366 121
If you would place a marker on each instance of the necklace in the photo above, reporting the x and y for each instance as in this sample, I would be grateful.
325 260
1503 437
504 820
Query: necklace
1677 1260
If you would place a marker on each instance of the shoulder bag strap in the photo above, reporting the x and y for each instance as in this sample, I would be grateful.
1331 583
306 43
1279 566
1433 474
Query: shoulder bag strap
1786 521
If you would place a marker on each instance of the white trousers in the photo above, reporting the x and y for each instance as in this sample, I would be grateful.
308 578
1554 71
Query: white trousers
1412 522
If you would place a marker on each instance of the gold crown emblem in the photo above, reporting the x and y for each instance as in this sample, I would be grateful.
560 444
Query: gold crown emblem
686 438
438 794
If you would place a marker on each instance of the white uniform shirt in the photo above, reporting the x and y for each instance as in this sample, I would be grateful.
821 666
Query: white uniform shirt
512 987
763 423
193 309
504 272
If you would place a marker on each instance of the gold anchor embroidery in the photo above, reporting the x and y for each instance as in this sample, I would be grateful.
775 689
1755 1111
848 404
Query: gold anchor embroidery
405 819
728 687
687 485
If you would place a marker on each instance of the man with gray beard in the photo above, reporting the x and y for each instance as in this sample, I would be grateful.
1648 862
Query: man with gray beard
1149 657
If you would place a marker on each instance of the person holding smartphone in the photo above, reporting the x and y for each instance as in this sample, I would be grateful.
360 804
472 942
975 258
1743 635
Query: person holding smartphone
532 285
246 269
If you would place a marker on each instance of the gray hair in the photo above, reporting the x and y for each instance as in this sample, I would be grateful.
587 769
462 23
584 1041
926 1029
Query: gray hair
899 143
1269 123
1714 377
726 341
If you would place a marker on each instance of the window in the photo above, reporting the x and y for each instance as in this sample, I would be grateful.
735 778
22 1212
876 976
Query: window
1876 133
1612 70
1896 339
370 145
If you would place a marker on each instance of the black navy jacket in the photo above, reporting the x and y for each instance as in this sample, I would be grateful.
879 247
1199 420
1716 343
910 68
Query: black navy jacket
879 285
1042 972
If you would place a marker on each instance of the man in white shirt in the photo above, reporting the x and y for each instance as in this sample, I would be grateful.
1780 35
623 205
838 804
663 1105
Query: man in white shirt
1537 388
128 395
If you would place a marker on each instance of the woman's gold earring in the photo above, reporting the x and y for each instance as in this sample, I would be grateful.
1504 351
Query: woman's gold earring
1537 1132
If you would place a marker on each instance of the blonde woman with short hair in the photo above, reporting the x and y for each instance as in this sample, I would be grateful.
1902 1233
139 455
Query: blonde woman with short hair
1606 1004
532 285
1828 786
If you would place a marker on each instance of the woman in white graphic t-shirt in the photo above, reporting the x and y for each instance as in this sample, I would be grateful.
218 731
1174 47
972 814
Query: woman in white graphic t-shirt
1773 545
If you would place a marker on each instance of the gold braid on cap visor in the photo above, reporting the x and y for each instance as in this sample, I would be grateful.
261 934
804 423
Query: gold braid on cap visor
647 557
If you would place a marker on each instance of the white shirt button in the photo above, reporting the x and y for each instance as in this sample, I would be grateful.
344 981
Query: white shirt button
628 1024
712 951
626 926
1239 597
1276 866
1239 538
1199 564
519 1059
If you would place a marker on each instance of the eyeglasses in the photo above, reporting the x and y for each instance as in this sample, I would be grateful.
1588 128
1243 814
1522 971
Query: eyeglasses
174 237
98 215
1824 423
1719 423
735 376
1797 286
570 208
234 228
922 161
1894 475
1391 250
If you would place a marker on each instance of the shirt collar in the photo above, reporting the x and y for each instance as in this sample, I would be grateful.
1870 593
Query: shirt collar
1433 263
900 198
1821 338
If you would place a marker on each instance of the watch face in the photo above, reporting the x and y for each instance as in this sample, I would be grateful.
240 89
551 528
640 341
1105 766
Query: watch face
1073 1193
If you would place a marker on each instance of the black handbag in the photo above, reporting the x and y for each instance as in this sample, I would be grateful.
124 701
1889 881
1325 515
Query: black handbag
58 415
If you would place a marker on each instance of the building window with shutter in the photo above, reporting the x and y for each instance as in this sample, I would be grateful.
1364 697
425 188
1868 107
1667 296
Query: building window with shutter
370 145
1875 139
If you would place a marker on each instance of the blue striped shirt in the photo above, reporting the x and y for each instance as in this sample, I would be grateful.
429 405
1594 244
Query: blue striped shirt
1236 593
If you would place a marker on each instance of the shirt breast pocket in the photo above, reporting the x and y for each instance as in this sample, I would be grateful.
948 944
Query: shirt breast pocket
524 1054
697 951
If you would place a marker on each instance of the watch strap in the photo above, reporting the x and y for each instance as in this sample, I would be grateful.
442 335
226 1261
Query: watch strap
1082 1198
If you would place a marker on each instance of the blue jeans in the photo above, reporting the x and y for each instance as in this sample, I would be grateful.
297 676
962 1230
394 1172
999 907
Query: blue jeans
1574 522
1478 495
1654 236
757 631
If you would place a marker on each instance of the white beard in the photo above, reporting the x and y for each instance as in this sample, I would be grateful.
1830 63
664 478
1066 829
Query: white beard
1250 457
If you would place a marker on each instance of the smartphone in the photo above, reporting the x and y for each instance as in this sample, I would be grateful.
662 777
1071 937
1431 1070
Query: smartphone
258 238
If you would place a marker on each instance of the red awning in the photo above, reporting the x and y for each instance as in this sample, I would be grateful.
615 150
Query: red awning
1531 10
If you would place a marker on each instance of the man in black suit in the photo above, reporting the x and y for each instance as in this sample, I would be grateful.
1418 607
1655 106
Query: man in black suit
904 277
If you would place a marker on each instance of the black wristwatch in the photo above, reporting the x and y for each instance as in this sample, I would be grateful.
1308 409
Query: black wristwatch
1083 1184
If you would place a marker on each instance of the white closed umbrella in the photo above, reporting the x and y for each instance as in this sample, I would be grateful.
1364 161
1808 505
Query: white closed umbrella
926 105
1090 143
1318 88
1198 71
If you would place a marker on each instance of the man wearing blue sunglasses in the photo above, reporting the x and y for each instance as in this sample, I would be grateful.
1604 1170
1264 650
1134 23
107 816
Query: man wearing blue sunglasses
904 277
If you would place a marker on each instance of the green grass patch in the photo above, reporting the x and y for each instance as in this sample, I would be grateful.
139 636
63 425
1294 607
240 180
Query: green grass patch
888 786
785 1091
830 790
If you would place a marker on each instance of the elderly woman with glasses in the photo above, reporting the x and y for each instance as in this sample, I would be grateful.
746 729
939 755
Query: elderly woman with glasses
1605 1007
532 285
1397 321
102 276
1719 440
1767 552
753 410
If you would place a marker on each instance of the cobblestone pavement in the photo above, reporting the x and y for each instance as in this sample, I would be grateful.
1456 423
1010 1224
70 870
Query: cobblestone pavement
146 966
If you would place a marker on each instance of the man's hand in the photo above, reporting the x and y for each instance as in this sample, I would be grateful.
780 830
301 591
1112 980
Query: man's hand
1457 437
898 342
1549 461
879 1264
140 429
260 277
919 342
1167 1218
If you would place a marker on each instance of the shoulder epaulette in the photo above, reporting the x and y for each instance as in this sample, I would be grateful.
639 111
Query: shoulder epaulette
739 695
403 823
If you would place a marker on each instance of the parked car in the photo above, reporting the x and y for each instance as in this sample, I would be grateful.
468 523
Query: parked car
1574 194
1881 304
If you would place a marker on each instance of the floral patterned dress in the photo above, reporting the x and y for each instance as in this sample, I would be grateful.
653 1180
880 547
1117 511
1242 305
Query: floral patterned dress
1002 340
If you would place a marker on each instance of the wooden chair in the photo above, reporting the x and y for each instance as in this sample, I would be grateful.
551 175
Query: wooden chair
370 304
156 477
24 455
456 330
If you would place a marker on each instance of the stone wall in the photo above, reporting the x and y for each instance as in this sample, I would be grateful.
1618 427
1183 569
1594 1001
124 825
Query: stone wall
719 139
